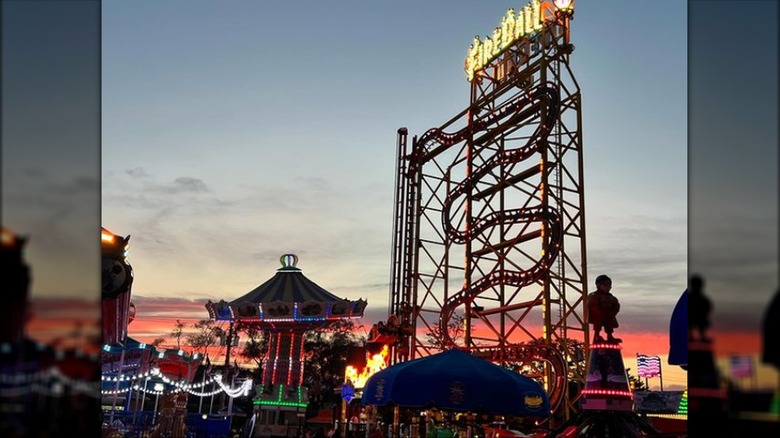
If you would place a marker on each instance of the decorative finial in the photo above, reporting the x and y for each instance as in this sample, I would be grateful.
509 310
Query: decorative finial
289 262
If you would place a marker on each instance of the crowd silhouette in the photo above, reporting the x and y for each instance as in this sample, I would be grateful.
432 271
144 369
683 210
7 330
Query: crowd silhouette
713 400
699 310
44 390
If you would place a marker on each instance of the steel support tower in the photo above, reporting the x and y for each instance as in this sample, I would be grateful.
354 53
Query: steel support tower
489 219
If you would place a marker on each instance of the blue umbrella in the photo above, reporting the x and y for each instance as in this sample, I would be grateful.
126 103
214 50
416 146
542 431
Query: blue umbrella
455 380
678 333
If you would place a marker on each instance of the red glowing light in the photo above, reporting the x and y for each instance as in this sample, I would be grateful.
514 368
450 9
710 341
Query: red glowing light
611 392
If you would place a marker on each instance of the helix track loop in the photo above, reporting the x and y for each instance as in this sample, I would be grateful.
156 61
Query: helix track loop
543 98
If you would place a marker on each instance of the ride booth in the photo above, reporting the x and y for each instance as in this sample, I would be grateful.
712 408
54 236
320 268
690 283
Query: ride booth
607 400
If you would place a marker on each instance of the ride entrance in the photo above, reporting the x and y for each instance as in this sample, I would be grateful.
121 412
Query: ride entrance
489 233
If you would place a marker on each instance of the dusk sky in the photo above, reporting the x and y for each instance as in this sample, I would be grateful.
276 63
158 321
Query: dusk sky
235 132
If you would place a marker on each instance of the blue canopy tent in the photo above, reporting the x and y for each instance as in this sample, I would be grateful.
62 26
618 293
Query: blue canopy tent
678 333
455 380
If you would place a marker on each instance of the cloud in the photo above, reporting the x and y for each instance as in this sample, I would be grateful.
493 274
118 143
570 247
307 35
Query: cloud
186 185
137 172
314 183
60 213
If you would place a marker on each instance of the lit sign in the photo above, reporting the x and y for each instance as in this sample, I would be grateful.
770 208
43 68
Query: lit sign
528 21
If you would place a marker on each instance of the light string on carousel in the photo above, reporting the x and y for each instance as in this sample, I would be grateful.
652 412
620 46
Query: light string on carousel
50 381
178 386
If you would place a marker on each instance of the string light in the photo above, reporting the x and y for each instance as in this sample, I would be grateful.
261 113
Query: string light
51 378
608 392
179 386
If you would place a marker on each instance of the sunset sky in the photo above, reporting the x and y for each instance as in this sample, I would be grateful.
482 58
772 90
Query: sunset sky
232 135
234 132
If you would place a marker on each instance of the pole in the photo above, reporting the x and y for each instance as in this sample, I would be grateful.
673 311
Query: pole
128 401
156 399
396 421
143 399
226 367
230 398
344 425
661 372
211 405
116 387
202 389
227 351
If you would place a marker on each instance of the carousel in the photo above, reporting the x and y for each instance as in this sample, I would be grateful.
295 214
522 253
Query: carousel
284 308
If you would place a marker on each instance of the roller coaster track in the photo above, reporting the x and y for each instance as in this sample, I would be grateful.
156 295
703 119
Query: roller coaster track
544 98
513 114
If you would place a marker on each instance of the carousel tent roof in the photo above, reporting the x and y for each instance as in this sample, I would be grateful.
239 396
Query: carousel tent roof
289 285
288 297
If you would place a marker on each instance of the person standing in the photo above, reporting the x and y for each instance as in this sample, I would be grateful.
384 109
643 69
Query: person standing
603 308
699 308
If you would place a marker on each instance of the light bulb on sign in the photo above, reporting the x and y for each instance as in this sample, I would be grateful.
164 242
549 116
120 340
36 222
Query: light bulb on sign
564 5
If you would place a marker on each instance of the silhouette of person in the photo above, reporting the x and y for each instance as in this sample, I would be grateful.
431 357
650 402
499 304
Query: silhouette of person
771 352
602 310
16 281
699 308
20 355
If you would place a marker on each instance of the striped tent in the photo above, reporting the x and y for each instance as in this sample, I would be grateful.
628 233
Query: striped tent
290 285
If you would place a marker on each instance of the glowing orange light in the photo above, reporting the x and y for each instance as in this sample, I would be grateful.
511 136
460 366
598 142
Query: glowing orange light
374 364
564 5
106 236
7 238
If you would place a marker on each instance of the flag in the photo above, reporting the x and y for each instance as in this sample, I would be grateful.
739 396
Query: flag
741 366
648 366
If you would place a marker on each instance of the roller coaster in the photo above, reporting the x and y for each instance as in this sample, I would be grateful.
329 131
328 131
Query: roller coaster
489 226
